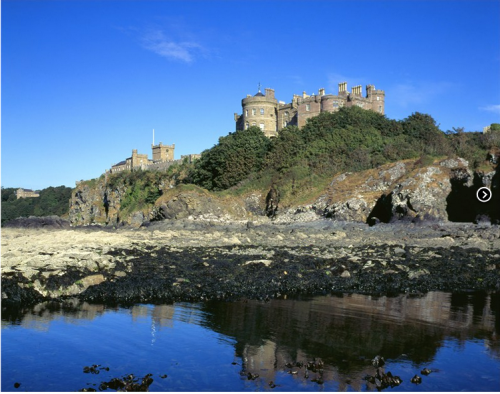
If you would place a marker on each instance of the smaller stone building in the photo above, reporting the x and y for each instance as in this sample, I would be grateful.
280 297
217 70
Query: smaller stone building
136 161
26 193
163 158
191 157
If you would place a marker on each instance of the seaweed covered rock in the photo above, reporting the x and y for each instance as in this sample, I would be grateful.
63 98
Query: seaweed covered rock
47 222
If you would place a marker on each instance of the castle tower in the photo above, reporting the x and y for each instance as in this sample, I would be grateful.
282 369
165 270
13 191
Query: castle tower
260 110
162 153
138 160
377 99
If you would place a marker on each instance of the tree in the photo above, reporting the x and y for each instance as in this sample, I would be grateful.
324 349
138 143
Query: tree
422 129
287 149
495 127
231 160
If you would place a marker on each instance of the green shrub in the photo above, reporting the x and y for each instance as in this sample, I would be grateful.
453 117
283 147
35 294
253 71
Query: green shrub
231 160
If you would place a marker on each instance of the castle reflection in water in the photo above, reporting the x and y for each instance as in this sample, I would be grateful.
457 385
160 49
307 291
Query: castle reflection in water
342 330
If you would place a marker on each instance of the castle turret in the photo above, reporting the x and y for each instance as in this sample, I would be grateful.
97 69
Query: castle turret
260 110
377 99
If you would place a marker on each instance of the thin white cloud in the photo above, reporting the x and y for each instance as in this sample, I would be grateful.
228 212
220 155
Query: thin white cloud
409 94
296 79
183 51
495 108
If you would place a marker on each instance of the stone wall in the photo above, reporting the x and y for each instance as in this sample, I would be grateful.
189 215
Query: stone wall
287 115
161 166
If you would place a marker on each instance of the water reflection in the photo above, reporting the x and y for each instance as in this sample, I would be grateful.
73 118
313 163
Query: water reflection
345 331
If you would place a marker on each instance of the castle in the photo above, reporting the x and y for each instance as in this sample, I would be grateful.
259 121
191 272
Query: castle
271 115
163 157
161 154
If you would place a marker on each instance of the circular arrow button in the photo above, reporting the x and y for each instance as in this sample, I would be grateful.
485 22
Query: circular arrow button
483 194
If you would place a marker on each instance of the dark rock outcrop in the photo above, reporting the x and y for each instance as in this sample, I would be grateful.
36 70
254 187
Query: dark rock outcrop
38 222
272 201
198 204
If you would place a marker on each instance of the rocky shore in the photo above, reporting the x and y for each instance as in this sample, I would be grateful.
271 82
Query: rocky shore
192 261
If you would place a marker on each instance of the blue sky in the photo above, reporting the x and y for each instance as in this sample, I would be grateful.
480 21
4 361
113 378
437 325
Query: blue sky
85 82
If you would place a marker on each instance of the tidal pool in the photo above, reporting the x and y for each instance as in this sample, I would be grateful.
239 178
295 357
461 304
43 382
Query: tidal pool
223 346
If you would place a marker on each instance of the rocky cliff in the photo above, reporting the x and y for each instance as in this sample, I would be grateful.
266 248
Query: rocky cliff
441 191
403 191
99 203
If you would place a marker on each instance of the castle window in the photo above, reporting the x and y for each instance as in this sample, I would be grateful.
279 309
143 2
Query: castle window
262 111
253 111
254 124
287 115
378 98
308 107
335 104
285 123
246 112
261 126
379 108
246 126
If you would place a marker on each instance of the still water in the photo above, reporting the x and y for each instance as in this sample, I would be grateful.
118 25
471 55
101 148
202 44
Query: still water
214 346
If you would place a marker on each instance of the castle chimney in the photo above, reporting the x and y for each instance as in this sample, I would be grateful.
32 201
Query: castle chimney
342 87
270 93
322 92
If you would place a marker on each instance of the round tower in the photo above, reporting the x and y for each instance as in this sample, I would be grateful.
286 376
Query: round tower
377 98
261 110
